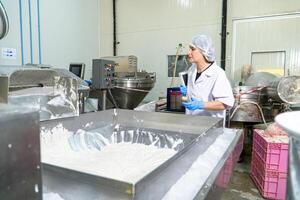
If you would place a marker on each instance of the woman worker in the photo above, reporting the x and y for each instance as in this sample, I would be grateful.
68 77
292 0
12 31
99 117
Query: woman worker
208 90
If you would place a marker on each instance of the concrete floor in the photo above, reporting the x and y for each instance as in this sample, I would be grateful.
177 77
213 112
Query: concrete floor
241 186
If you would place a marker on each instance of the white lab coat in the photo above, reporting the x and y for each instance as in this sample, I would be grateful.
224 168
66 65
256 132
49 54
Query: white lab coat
212 85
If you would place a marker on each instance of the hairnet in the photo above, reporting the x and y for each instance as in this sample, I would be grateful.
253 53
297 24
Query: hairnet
204 43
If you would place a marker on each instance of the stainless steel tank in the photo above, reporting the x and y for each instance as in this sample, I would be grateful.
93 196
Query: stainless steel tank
131 88
265 96
247 103
197 136
288 89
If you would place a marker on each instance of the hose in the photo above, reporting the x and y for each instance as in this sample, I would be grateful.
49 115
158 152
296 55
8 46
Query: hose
251 90
251 102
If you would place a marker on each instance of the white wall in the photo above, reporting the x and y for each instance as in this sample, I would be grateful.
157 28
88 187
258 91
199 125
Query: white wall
151 30
69 32
78 31
106 27
267 34
258 30
13 39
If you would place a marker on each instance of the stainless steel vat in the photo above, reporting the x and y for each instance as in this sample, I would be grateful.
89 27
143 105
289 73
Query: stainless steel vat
267 96
248 100
199 134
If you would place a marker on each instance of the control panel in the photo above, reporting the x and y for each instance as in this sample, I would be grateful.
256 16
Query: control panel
103 74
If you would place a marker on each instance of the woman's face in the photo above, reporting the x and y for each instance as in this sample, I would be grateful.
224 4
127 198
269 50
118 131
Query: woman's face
194 54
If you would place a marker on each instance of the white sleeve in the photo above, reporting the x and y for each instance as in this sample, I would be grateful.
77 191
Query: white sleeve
222 90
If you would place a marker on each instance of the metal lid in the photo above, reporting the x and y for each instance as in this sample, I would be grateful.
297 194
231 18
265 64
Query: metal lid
289 89
260 79
135 80
4 26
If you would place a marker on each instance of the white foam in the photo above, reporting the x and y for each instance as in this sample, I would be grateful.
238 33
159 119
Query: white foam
121 161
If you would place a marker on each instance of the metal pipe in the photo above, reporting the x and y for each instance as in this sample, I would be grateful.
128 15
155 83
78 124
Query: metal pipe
103 99
30 32
223 34
39 31
21 31
114 29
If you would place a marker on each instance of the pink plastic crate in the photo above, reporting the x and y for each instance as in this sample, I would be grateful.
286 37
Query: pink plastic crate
259 163
225 174
238 148
271 184
272 150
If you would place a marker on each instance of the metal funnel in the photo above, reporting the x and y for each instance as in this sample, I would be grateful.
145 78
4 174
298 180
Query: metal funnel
131 88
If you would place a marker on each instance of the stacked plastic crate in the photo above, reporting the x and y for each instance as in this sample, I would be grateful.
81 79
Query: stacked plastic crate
269 163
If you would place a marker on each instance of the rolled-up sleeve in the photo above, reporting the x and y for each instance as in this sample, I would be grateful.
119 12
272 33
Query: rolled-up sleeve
222 90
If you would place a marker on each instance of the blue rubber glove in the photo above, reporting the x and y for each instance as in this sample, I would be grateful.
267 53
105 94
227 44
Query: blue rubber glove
194 104
89 82
183 90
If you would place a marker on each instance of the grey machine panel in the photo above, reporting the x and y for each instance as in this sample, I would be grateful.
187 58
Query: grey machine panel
4 82
20 167
103 73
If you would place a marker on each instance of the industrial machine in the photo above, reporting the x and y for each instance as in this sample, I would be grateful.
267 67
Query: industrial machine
264 96
203 159
125 85
203 152
54 92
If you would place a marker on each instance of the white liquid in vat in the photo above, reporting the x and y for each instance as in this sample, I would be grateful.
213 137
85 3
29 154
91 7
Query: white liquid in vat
120 161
